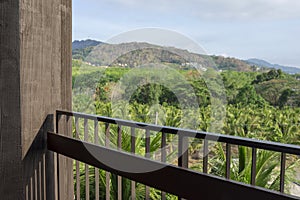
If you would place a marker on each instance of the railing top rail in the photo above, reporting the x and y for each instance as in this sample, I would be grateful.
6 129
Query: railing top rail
235 140
175 180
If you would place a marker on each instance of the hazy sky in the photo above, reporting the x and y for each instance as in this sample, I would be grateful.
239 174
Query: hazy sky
265 29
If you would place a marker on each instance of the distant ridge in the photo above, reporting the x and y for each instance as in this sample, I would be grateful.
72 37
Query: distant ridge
81 49
82 44
263 63
137 53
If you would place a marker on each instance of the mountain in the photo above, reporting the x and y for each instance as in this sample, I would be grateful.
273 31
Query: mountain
81 49
138 53
81 44
263 63
134 54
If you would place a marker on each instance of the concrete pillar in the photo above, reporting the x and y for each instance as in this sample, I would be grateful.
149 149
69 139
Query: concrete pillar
35 80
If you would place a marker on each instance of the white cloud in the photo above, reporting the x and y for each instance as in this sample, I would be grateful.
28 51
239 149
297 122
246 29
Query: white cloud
221 9
240 28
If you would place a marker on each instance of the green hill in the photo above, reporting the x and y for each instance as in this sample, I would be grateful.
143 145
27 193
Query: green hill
138 53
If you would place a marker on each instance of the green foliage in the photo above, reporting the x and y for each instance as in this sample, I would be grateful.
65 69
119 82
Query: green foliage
247 96
267 167
272 74
275 88
81 54
234 81
280 92
224 63
284 97
260 105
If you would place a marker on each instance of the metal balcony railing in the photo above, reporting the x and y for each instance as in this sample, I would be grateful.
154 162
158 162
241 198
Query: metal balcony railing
177 180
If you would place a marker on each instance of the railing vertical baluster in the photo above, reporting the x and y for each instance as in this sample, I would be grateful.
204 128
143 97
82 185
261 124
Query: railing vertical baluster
107 174
35 185
77 162
183 157
282 172
119 178
86 167
69 124
228 160
68 129
147 140
58 116
39 173
31 190
96 169
163 147
253 166
133 194
163 157
205 156
44 175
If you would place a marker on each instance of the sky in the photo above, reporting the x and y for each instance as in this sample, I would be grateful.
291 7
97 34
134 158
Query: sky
264 29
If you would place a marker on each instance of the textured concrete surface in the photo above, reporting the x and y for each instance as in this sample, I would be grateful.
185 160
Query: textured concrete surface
41 64
35 80
10 112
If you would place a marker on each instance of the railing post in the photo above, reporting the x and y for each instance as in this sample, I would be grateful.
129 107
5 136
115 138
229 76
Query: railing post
57 120
253 166
86 166
282 172
163 157
183 157
205 156
96 137
107 174
228 160
119 178
64 165
147 151
132 131
77 162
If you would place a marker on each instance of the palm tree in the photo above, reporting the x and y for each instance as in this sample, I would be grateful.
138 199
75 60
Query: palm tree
126 146
267 167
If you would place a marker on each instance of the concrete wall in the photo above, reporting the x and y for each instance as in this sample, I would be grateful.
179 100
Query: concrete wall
35 80
10 108
44 62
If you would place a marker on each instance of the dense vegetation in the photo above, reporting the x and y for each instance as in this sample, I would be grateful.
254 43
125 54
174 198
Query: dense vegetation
271 88
263 105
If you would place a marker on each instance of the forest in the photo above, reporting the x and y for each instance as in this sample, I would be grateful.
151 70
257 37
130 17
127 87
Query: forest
263 105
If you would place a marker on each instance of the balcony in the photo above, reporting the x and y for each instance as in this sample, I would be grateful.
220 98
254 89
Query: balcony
107 164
